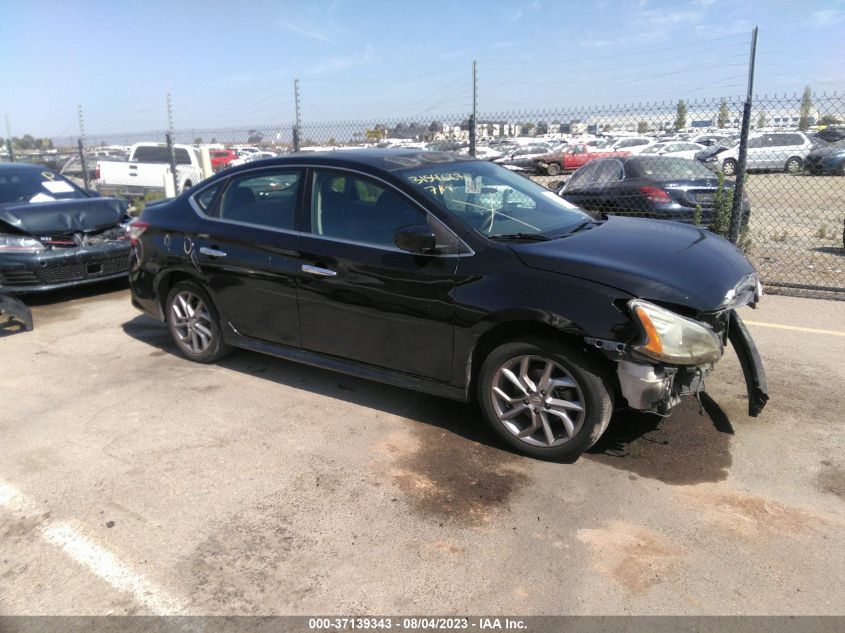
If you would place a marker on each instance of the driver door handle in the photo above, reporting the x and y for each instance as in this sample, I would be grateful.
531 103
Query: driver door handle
212 252
319 272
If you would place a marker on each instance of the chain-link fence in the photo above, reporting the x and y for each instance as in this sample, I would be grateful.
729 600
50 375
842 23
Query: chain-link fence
670 160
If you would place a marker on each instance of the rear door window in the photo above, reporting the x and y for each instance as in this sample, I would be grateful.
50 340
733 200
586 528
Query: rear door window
267 199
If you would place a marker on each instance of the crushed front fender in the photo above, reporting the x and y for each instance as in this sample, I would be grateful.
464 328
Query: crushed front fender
752 365
16 309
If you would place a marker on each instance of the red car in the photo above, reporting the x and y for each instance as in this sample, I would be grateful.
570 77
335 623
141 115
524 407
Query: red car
573 157
220 158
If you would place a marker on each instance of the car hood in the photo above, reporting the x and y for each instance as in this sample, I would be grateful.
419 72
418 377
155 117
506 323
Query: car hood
657 260
62 216
827 151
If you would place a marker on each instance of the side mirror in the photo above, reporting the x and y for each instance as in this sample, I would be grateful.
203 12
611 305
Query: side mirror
418 238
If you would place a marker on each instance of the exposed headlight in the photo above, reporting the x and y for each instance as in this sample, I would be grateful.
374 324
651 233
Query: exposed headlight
673 339
19 244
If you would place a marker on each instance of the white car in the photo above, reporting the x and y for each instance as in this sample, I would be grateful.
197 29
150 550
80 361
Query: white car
633 145
677 149
770 151
251 156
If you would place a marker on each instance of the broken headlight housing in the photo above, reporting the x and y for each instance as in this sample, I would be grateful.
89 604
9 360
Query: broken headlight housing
673 339
19 244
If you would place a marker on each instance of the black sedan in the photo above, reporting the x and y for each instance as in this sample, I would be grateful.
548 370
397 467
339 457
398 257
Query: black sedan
658 187
451 276
54 234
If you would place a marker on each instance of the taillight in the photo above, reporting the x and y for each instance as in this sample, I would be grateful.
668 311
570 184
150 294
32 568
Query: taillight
136 229
655 194
97 172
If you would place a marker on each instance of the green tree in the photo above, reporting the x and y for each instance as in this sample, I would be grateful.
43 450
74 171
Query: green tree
542 127
198 140
526 129
607 128
806 107
642 127
762 120
254 137
724 115
829 119
681 115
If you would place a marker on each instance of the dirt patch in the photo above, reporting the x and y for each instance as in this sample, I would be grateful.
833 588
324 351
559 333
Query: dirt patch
450 479
634 557
832 479
750 516
686 448
239 568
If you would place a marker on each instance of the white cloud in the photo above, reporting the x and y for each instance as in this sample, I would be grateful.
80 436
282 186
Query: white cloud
826 17
663 19
306 30
334 64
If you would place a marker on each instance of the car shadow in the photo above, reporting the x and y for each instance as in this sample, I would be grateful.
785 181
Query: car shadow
456 417
691 446
831 250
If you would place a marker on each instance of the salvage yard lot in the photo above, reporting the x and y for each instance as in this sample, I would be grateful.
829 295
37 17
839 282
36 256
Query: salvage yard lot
259 486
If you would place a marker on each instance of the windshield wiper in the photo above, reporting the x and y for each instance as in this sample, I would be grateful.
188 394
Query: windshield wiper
528 237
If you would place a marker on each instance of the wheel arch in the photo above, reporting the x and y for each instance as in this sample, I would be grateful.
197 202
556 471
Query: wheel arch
169 279
521 327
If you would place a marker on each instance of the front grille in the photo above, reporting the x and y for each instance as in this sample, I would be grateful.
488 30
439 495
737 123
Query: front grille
18 278
66 272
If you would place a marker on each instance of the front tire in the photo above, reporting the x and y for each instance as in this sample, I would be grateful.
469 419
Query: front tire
544 399
794 165
729 167
194 324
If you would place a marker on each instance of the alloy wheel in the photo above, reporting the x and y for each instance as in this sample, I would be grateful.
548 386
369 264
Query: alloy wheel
537 401
191 322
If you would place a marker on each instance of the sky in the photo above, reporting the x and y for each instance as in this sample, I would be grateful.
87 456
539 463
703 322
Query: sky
233 63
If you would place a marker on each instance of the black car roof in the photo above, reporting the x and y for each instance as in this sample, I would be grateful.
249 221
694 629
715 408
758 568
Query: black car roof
12 168
382 159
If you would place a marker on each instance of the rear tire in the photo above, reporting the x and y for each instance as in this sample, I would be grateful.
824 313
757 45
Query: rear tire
553 169
729 167
544 399
194 323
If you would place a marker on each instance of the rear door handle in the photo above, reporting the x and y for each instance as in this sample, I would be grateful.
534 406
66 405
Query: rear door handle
212 252
319 272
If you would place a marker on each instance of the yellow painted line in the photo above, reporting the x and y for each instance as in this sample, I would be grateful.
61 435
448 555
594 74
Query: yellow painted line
795 328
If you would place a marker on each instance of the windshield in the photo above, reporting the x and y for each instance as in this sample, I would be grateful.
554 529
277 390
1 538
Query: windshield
653 149
33 185
665 168
495 201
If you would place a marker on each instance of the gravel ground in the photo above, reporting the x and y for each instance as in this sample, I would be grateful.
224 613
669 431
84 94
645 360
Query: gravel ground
134 481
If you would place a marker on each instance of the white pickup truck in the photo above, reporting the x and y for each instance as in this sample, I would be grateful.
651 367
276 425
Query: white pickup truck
145 170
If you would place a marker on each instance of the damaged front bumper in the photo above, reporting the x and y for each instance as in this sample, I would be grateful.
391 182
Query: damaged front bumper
15 309
61 268
656 388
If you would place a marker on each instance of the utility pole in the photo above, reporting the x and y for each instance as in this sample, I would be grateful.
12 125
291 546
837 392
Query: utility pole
739 185
296 127
9 140
168 138
81 125
473 119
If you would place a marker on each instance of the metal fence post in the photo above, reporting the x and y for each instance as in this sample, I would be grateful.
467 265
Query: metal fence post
295 138
172 153
739 185
82 162
11 151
